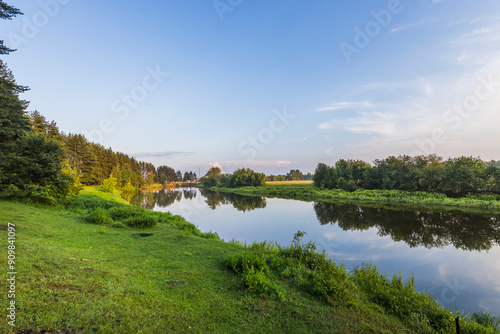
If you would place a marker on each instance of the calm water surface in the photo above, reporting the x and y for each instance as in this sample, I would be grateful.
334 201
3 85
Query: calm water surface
453 255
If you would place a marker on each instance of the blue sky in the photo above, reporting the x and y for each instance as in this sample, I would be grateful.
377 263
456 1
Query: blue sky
270 85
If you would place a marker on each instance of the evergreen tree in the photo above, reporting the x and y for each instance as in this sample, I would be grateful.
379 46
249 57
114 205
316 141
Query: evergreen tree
33 169
13 121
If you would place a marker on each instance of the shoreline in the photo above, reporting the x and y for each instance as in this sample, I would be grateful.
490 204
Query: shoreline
308 193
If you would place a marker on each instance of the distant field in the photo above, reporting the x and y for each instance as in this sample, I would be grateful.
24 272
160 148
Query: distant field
290 182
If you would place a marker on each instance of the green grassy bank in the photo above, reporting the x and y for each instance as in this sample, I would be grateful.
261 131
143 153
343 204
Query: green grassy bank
309 192
74 276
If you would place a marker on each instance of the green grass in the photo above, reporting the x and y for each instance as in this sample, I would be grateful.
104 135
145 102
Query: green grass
115 196
309 192
78 277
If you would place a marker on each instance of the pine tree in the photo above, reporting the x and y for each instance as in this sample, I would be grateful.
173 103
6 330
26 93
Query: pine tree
13 120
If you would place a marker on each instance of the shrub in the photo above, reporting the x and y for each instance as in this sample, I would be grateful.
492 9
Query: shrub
302 265
109 184
486 319
210 235
99 216
402 300
125 211
142 221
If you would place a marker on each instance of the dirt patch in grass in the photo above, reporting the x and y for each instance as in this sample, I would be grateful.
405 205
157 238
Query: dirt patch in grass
142 235
173 284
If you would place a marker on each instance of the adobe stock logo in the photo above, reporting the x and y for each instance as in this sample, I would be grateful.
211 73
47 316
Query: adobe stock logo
223 6
31 27
373 28
265 136
456 115
123 105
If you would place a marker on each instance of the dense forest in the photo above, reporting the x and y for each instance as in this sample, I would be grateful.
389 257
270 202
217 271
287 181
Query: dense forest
94 163
455 177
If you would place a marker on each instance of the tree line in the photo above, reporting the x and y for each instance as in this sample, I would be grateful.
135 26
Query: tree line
240 178
455 177
293 175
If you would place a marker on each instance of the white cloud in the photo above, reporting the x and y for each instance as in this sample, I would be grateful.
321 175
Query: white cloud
344 105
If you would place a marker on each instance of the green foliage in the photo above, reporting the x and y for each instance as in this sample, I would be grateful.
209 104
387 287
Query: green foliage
302 265
109 185
101 211
99 216
486 319
125 211
295 175
212 178
459 177
13 122
244 177
90 202
118 225
141 221
403 301
33 170
210 235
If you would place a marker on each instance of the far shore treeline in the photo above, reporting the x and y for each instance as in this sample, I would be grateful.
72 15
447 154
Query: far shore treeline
455 177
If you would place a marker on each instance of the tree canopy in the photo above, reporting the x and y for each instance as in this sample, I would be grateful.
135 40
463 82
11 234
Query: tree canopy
455 177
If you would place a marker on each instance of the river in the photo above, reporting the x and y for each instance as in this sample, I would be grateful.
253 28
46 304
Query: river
454 255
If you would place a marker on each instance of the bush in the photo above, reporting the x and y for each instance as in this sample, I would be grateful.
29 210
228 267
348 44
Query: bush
118 225
109 184
32 194
403 301
125 211
142 221
254 272
302 265
99 216
210 235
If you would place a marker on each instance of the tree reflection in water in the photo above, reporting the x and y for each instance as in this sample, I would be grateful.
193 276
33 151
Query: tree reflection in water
167 197
466 231
239 202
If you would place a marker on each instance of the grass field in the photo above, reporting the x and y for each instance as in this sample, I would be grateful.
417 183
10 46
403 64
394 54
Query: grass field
115 196
76 277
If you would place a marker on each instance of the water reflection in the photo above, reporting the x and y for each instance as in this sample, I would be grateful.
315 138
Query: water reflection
167 197
444 250
416 227
240 203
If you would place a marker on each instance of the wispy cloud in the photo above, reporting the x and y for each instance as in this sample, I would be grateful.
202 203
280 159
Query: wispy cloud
393 116
344 105
408 26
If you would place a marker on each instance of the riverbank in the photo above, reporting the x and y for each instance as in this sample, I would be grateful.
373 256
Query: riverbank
79 277
308 192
